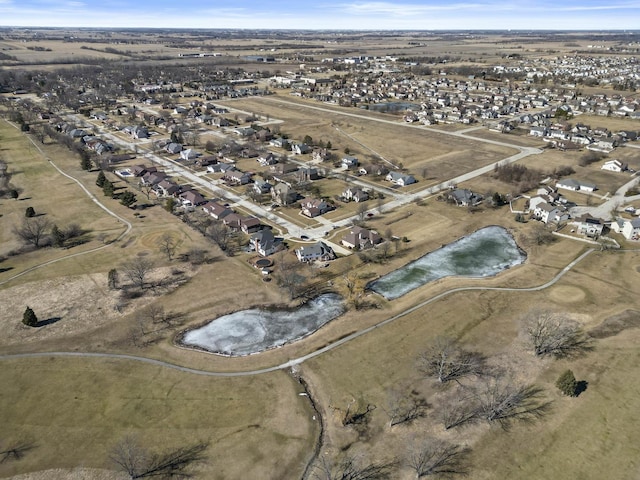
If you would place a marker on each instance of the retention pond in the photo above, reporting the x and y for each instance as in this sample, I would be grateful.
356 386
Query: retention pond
256 330
484 253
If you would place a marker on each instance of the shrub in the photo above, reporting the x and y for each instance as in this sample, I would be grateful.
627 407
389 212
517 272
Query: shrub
567 384
30 212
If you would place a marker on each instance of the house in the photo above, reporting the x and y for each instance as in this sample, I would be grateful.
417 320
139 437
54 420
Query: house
279 142
140 170
233 221
400 179
264 243
361 238
312 207
283 194
614 166
216 210
318 251
308 173
464 197
349 162
588 225
236 177
166 188
269 159
283 168
153 178
355 194
191 198
261 186
631 229
250 224
173 148
189 154
220 168
548 213
300 149
244 131
575 185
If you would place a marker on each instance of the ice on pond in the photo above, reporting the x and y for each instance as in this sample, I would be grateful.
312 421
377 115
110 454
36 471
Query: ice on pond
256 330
484 253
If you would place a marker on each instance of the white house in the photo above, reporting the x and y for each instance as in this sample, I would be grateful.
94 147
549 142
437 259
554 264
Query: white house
548 213
614 166
631 229
317 251
400 179
589 226
575 185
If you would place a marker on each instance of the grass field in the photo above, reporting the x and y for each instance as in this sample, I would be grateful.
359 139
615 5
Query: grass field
77 410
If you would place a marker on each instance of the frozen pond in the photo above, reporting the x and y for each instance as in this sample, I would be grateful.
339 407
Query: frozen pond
256 330
484 253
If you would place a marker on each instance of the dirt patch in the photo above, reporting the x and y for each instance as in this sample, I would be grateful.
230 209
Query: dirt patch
616 324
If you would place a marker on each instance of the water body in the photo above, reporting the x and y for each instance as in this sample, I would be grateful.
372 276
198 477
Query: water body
484 253
256 330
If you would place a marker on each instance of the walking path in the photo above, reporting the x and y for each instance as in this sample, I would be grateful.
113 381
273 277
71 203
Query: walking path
92 197
301 359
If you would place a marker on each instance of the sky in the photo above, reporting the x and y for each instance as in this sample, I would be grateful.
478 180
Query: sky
327 14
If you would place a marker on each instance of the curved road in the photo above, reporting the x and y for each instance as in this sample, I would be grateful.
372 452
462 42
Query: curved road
92 197
299 360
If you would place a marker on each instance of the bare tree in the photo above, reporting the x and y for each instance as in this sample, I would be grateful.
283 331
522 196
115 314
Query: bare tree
33 230
220 234
361 212
167 245
137 462
436 457
15 450
288 274
405 407
446 360
554 334
137 270
507 401
357 412
351 468
458 409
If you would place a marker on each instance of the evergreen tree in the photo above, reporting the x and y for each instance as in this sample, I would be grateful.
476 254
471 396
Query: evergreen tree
101 179
329 145
128 198
85 162
568 384
29 318
170 204
30 212
108 189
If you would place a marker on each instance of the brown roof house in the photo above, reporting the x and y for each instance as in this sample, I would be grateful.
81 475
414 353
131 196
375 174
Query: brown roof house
361 238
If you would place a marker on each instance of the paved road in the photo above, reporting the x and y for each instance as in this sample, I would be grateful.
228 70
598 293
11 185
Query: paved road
92 197
618 199
301 359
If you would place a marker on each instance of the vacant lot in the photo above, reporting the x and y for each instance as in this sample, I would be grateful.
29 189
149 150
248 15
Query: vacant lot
374 137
